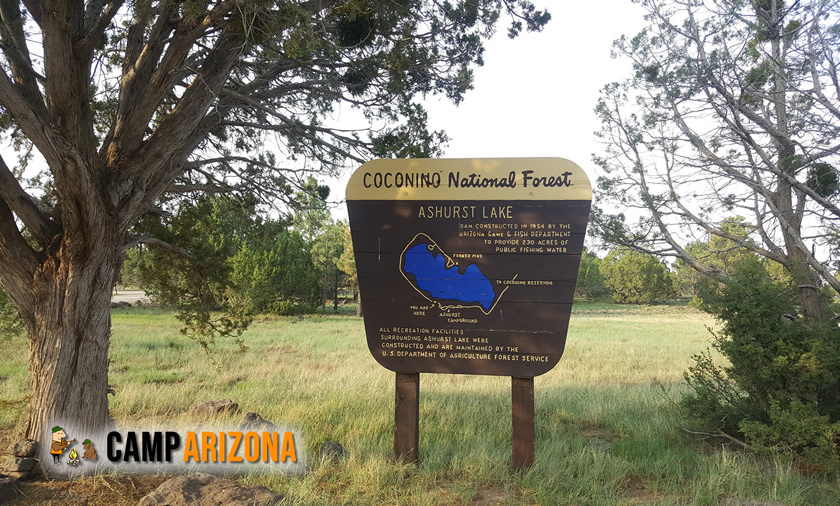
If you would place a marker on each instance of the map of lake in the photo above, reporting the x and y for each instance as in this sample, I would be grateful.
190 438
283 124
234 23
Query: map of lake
438 276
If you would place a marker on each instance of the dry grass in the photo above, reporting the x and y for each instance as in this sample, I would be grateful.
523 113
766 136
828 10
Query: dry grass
608 431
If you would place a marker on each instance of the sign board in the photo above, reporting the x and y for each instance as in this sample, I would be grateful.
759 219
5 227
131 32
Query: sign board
468 265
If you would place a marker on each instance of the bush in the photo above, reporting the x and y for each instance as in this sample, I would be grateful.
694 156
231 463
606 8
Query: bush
277 275
781 389
590 282
636 278
10 322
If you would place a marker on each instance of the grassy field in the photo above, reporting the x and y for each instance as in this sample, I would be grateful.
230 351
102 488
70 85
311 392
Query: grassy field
608 429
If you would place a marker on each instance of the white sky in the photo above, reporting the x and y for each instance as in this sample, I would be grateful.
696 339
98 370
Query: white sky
535 94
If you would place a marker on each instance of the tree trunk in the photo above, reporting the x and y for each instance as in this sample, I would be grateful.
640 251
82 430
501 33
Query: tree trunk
69 339
359 312
804 277
335 291
806 281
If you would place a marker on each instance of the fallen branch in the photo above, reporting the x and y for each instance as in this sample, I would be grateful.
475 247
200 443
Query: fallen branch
720 434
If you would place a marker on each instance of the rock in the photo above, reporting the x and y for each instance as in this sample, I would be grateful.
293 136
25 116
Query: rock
8 488
120 305
19 475
22 465
215 408
331 450
253 421
207 490
25 448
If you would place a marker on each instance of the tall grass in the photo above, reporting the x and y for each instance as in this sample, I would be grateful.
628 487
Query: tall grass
607 428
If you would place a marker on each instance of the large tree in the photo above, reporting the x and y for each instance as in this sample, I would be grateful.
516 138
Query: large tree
126 103
733 108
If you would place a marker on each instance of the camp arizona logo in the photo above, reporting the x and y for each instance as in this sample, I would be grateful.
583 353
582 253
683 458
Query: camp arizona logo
235 447
146 450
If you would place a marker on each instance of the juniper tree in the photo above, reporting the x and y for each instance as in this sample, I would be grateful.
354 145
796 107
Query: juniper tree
733 108
128 103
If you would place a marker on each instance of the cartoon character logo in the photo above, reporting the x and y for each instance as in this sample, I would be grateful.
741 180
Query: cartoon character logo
90 451
58 443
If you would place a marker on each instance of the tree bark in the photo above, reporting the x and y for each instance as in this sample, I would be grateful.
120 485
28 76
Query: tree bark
806 282
69 338
335 290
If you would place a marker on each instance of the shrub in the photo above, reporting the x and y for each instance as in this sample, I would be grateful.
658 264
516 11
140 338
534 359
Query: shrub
276 275
10 322
781 389
590 281
636 278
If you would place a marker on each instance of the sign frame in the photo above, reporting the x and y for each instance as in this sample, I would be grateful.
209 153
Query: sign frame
468 266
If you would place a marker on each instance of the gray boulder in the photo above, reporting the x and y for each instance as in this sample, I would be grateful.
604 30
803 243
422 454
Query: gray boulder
207 490
215 408
255 422
330 450
22 465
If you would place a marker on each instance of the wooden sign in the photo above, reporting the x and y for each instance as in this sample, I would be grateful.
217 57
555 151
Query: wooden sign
468 266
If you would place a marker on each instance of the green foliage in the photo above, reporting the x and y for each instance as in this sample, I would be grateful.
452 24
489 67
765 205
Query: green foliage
276 275
222 263
132 267
310 209
717 253
347 262
688 139
590 281
10 322
296 65
190 271
822 178
327 250
636 278
781 389
799 428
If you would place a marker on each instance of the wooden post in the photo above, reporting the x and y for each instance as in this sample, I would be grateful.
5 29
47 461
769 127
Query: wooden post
522 408
407 417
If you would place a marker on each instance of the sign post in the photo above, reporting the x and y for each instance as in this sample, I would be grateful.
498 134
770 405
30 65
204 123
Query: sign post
407 417
522 410
468 266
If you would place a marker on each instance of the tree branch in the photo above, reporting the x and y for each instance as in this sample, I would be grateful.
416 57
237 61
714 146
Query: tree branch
36 9
152 80
24 206
94 32
34 126
18 263
153 162
17 54
154 241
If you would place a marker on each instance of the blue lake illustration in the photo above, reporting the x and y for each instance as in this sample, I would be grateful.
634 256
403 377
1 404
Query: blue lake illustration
447 284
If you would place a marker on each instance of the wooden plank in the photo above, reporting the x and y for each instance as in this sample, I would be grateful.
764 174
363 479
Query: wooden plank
407 417
522 408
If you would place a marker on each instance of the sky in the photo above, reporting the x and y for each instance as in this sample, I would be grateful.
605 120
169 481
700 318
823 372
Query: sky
535 94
